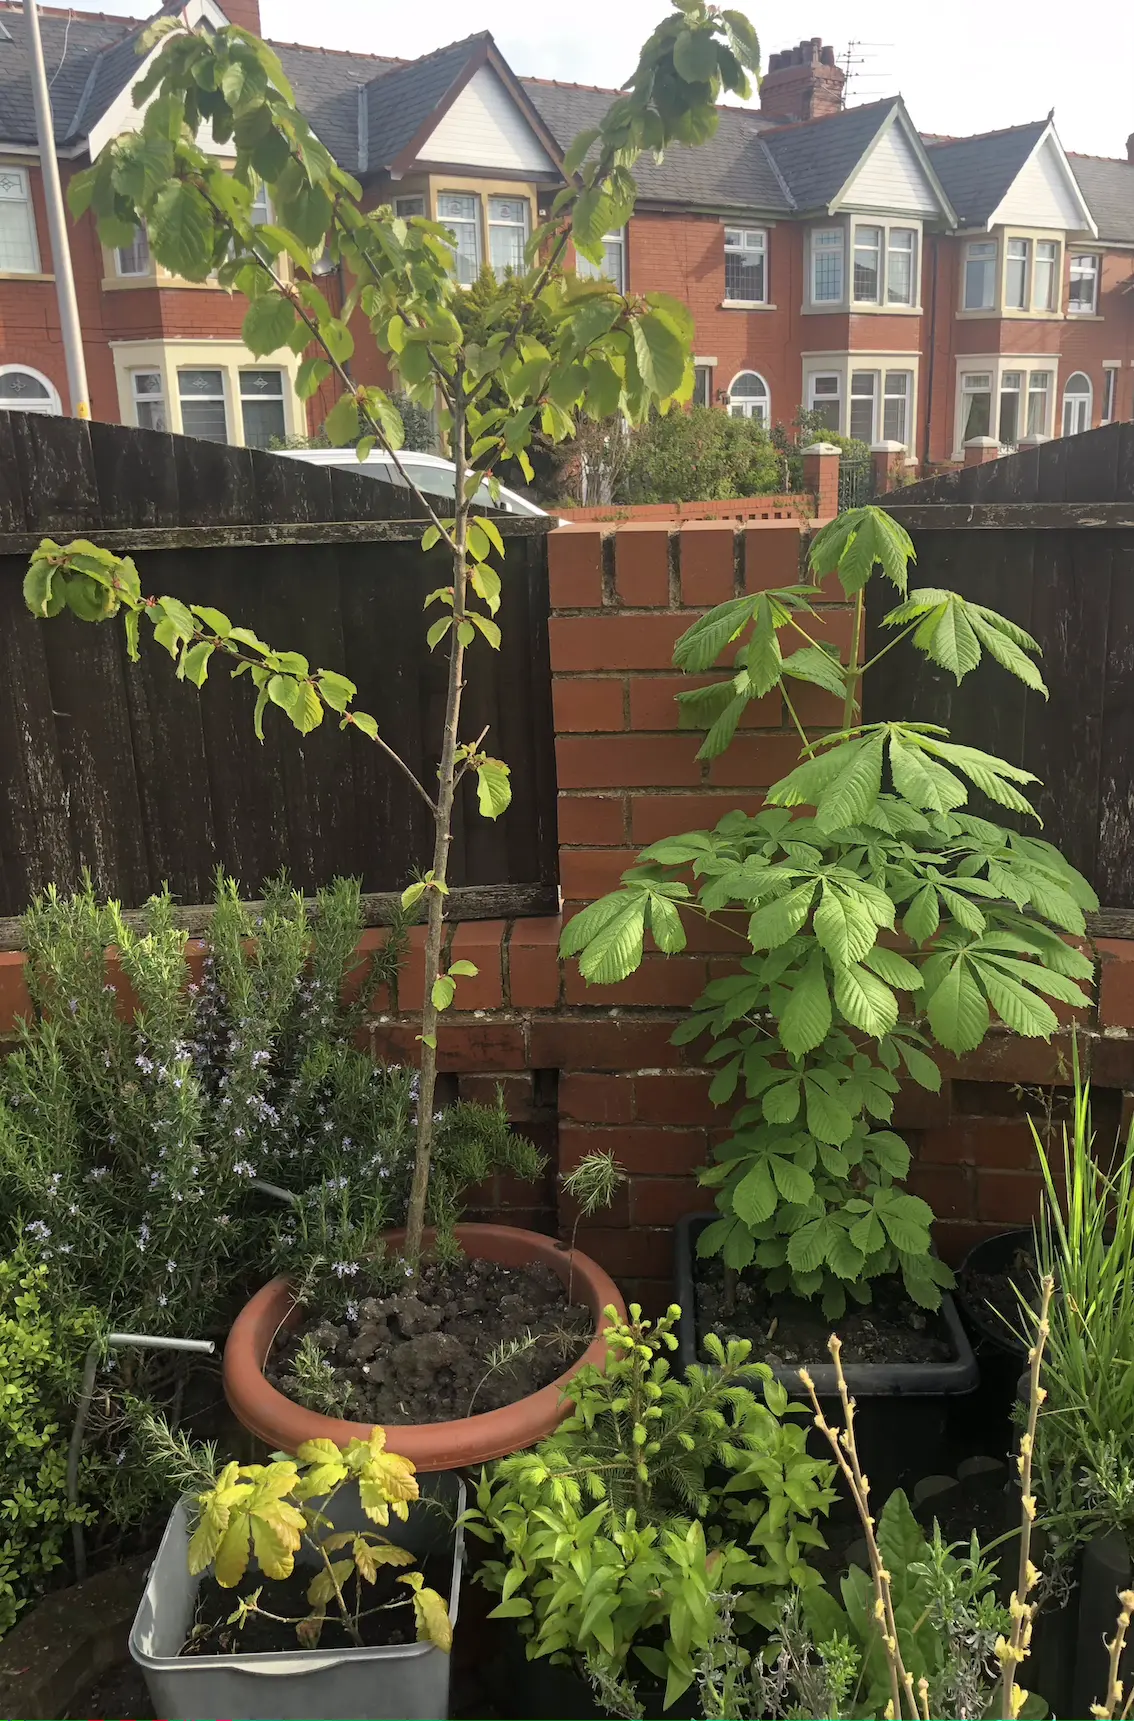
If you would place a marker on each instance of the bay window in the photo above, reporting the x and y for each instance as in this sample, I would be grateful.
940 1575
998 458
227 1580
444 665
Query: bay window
867 265
885 265
460 213
1016 274
901 266
508 224
1083 299
827 266
825 399
203 408
863 401
262 404
896 406
980 276
1011 398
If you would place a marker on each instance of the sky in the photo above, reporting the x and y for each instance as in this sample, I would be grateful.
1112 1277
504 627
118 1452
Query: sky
962 65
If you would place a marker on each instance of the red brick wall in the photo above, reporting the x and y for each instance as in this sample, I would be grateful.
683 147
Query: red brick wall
594 1067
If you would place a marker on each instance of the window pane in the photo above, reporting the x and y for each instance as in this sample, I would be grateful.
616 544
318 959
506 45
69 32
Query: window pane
827 265
407 206
867 254
202 404
1039 390
149 400
261 399
507 232
744 265
895 406
134 259
976 408
864 386
1084 283
900 257
980 276
703 385
1110 390
748 397
1043 289
1016 283
18 252
461 215
1009 427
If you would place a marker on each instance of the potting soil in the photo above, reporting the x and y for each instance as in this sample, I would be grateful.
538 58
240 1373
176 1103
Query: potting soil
786 1329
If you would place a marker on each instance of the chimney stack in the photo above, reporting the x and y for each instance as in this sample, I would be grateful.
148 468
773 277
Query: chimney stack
803 83
246 13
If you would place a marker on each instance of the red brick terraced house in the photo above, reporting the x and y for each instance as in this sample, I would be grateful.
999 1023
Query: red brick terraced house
920 291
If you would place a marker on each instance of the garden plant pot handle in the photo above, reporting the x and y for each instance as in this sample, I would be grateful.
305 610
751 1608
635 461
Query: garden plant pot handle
288 1670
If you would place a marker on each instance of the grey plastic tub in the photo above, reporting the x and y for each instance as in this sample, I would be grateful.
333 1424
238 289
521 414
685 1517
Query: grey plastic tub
407 1682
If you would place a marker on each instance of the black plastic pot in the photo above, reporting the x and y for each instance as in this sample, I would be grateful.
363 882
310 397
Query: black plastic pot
540 1690
986 1424
902 1409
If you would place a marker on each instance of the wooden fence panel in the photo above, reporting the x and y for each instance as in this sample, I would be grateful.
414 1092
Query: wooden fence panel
121 769
1047 538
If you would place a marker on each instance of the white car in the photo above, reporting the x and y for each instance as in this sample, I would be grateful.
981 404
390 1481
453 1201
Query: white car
429 471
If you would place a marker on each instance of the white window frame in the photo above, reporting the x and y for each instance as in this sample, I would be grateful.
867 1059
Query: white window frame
857 392
22 199
51 407
1109 407
124 254
982 254
702 369
142 398
996 367
523 226
474 221
282 397
875 248
1048 266
891 392
1079 404
971 383
613 245
225 385
747 242
913 251
828 242
884 251
1011 264
757 407
1091 273
818 399
1031 395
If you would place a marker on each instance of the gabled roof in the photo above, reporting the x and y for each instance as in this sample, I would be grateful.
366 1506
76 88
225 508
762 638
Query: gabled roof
977 171
80 51
328 85
1108 187
732 170
816 158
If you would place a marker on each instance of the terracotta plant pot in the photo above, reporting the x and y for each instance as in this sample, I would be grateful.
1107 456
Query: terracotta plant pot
432 1446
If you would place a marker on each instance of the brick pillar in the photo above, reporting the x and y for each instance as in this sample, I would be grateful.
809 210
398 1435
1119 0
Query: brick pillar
981 449
821 477
1036 440
889 464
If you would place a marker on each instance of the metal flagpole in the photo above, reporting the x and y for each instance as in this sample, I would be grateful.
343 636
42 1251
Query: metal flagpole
57 222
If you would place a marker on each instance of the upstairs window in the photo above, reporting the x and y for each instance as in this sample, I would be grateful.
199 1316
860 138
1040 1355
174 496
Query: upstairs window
901 266
980 280
508 225
748 397
867 264
827 266
1083 299
460 213
746 265
1016 274
613 265
1046 275
133 259
19 251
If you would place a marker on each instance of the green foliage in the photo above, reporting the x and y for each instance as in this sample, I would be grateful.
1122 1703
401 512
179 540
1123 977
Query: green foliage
532 354
881 915
275 1510
41 1353
826 1659
700 455
1085 1239
653 1504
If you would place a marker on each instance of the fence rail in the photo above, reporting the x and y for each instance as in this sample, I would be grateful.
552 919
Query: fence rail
124 770
791 505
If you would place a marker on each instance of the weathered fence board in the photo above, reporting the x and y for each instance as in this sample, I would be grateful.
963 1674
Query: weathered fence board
1047 538
122 769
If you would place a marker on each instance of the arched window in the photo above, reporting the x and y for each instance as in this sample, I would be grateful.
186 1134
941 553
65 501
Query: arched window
748 397
24 390
1076 404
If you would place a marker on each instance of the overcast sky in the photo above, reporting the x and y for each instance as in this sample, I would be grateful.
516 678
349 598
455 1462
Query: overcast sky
962 65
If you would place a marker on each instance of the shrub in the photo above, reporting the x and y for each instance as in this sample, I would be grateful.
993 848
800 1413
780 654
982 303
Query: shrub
701 455
40 1356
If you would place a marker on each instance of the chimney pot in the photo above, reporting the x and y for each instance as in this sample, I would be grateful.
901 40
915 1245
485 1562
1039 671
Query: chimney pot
802 83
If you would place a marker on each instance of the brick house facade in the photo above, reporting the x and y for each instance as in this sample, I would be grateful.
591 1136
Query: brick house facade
913 289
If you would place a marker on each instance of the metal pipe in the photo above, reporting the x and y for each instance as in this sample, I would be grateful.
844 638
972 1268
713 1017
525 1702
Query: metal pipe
57 223
112 1341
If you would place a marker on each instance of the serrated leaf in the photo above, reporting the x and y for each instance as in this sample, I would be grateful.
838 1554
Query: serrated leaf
828 1118
794 1184
906 1219
957 1009
865 1001
843 926
851 793
781 1103
754 1198
923 916
815 665
807 1247
890 1152
666 925
844 1259
781 918
805 1019
1017 1006
658 353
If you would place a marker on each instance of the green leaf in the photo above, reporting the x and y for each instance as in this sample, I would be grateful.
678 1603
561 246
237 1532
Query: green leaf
310 377
464 970
493 788
438 631
1017 1006
659 354
268 324
828 1118
666 925
895 970
781 1103
337 690
214 619
946 635
754 1199
443 992
858 539
341 423
1005 650
923 916
781 918
607 936
805 1020
907 1220
865 1001
820 667
843 1258
921 1067
793 1183
695 56
194 665
890 1152
957 1010
180 227
701 644
923 782
854 790
807 1247
844 928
